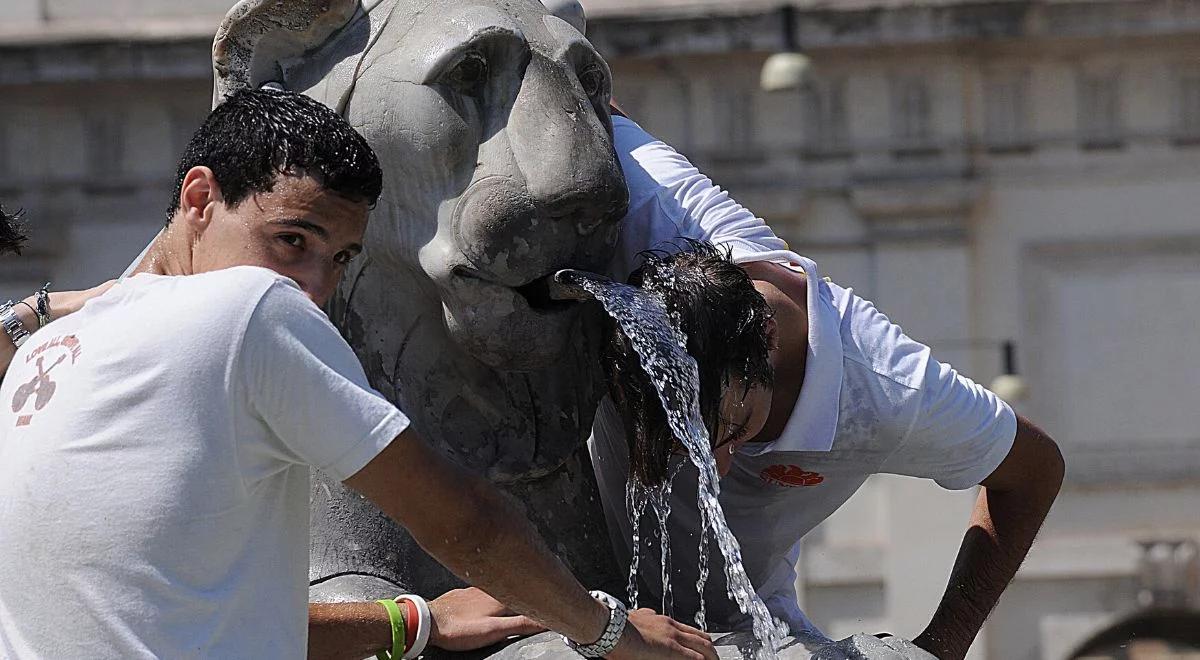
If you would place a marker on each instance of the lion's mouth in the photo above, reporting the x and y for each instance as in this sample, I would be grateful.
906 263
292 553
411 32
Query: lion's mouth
536 293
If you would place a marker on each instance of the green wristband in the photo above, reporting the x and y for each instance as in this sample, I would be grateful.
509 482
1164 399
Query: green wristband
399 630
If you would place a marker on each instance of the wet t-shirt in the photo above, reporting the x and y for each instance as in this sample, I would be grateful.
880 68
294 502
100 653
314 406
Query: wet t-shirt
873 401
155 450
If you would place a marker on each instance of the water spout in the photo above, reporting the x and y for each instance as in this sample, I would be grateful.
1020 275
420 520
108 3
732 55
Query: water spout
567 284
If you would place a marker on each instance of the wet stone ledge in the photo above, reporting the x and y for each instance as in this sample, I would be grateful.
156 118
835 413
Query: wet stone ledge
732 646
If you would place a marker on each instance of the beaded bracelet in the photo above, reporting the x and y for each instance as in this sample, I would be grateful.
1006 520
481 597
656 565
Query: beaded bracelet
43 306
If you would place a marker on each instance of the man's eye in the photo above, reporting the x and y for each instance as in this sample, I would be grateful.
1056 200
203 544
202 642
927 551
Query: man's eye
294 240
343 258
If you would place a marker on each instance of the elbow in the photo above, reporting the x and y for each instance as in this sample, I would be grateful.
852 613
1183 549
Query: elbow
1042 467
1056 465
1051 465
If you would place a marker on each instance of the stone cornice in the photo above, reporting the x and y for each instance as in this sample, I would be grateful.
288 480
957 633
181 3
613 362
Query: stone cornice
68 52
105 61
685 32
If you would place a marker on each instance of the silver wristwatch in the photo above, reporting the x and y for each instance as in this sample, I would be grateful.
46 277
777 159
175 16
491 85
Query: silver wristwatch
617 617
12 324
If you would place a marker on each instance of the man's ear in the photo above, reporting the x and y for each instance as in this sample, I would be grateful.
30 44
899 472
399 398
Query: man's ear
198 198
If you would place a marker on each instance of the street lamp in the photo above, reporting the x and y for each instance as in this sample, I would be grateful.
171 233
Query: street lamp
787 70
1010 386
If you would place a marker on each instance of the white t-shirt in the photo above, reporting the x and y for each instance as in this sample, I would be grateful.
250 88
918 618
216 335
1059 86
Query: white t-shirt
670 199
873 401
154 469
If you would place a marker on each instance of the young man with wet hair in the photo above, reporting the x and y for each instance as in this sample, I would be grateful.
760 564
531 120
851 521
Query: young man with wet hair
726 320
154 460
807 390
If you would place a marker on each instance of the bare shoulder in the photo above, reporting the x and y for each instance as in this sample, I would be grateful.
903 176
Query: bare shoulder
789 280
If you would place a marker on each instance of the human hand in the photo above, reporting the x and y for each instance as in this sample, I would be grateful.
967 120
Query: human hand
468 619
649 635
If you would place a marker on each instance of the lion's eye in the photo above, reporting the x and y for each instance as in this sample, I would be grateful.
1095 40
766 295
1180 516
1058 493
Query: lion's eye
470 74
592 79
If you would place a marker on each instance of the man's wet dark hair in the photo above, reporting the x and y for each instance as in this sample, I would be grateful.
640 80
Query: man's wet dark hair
12 238
725 320
258 134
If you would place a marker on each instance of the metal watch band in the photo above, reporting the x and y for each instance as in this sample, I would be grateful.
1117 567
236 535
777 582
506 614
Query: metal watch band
12 324
618 616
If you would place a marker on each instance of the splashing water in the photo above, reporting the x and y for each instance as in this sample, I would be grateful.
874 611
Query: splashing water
703 579
635 504
637 499
662 349
660 501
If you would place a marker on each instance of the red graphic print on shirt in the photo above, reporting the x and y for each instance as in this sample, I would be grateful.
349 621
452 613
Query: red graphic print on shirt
790 476
40 390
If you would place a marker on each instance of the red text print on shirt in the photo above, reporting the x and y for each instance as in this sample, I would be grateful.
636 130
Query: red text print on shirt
791 476
40 390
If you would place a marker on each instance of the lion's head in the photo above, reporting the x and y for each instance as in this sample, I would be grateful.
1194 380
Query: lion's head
491 121
490 118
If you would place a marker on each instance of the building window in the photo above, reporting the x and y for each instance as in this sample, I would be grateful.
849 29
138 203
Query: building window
912 116
1100 111
826 128
736 118
1006 112
104 143
1187 107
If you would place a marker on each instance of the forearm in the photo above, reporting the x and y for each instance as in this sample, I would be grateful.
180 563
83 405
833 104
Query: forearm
503 554
349 631
477 532
59 305
1003 527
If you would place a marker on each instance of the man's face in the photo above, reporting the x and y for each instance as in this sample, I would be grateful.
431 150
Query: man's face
299 229
742 417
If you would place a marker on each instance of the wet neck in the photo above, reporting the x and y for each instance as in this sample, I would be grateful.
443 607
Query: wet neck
789 358
169 254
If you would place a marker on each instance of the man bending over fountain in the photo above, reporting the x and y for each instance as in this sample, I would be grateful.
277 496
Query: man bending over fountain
154 460
807 390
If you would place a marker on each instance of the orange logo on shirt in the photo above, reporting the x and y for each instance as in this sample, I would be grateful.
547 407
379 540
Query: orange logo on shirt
790 476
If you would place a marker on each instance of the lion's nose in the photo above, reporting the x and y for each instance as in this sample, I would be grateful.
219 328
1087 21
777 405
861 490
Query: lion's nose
586 210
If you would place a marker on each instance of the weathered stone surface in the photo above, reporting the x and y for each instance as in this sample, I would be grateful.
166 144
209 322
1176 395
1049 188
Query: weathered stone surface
548 646
498 172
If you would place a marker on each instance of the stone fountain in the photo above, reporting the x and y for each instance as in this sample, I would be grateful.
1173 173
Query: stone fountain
490 119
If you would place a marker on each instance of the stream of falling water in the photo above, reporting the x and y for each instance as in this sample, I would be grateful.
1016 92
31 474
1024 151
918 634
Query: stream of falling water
635 504
637 499
662 349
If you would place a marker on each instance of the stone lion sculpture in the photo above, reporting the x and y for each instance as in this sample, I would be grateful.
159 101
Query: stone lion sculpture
490 119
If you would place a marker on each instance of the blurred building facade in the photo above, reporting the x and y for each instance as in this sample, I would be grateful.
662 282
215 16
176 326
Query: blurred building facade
1020 171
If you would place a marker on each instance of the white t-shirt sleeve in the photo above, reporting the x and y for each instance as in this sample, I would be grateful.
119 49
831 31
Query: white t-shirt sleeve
303 380
961 433
671 199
